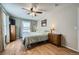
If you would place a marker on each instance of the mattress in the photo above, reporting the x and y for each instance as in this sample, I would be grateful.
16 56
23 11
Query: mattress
35 37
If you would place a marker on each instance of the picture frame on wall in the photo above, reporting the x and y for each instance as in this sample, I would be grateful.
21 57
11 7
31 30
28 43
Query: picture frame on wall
44 23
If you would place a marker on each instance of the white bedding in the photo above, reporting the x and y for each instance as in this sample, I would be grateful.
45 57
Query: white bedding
29 34
34 37
35 34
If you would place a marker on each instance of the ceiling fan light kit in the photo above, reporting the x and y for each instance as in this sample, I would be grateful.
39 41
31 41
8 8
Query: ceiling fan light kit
32 14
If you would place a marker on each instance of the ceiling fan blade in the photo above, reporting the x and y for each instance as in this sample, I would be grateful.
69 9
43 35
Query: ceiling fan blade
39 12
26 9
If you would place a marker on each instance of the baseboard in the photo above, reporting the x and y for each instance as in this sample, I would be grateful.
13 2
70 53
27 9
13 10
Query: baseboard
71 48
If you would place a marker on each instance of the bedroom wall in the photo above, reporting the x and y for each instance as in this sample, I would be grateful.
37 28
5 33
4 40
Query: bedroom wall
64 18
18 25
78 29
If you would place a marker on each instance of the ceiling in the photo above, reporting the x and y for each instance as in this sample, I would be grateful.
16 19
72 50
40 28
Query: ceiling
15 9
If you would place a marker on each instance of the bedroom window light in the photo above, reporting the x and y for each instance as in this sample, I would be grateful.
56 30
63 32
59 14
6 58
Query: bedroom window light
25 28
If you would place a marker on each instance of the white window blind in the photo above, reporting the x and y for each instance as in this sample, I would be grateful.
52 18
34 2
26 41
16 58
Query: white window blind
25 28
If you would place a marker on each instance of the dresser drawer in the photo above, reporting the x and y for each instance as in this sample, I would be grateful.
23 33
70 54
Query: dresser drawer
55 39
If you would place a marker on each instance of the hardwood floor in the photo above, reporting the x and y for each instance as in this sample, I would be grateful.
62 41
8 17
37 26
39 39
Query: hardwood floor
17 48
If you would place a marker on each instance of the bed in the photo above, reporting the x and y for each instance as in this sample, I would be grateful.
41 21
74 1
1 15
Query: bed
34 37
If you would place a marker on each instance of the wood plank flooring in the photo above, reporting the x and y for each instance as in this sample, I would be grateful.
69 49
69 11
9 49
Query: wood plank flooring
17 48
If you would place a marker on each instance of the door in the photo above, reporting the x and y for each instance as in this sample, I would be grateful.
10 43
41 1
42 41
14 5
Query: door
12 33
12 27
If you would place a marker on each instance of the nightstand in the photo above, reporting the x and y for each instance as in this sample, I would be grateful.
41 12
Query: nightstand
55 39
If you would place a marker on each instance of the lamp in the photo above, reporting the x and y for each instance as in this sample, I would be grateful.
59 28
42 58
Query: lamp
52 28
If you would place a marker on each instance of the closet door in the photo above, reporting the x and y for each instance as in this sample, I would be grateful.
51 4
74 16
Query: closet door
12 33
12 30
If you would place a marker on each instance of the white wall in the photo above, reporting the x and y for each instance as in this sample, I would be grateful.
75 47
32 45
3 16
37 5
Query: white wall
64 19
8 30
18 27
78 29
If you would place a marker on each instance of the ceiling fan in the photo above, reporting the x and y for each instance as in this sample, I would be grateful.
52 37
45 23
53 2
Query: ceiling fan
34 10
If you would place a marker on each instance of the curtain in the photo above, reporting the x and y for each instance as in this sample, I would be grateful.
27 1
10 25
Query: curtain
33 26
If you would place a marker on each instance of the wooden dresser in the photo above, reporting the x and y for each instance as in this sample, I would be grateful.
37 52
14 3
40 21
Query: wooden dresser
54 38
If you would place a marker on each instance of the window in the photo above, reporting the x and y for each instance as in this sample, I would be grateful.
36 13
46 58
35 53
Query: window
25 27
